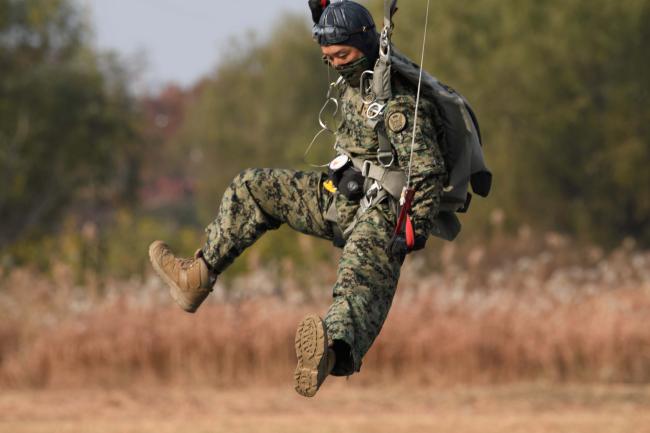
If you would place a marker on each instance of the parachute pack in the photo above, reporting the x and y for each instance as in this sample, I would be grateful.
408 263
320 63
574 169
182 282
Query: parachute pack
461 138
461 145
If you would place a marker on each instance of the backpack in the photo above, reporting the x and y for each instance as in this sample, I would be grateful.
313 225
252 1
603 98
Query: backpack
461 145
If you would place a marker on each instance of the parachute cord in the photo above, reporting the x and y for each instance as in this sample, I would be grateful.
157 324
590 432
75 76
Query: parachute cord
417 99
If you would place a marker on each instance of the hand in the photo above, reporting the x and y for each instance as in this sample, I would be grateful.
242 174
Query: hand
317 7
398 247
420 243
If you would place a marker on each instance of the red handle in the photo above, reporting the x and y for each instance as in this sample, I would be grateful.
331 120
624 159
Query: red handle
410 234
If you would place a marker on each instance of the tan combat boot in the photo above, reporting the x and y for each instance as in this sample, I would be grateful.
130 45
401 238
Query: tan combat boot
315 358
190 281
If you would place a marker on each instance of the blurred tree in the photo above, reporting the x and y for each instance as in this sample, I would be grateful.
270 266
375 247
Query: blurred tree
259 109
561 90
66 119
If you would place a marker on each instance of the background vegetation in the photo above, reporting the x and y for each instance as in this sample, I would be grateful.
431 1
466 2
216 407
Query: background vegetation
561 89
549 279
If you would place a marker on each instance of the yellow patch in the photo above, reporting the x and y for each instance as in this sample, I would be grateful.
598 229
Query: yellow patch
397 122
329 186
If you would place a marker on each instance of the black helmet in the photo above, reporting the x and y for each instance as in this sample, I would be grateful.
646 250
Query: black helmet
348 23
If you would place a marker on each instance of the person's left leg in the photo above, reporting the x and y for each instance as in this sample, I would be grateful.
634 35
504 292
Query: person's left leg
364 290
363 293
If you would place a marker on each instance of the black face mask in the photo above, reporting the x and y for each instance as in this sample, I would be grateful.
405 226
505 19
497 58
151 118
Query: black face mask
351 72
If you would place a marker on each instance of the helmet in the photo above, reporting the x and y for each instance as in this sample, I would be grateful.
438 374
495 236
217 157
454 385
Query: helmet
348 23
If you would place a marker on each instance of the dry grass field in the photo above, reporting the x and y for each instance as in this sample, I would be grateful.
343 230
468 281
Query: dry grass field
527 336
484 316
341 406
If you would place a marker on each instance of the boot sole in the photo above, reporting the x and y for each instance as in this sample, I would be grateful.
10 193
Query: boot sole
311 350
174 290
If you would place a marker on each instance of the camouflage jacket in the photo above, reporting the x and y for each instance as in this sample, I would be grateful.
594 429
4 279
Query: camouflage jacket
356 137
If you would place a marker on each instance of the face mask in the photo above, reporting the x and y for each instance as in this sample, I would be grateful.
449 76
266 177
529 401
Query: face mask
351 72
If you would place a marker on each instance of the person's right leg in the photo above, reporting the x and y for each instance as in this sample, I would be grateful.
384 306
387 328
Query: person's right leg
259 200
256 201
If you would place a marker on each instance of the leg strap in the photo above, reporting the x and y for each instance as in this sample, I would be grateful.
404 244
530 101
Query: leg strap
333 217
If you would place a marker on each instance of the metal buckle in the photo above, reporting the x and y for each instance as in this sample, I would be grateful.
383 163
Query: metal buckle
373 190
380 155
365 169
384 45
370 196
375 110
367 96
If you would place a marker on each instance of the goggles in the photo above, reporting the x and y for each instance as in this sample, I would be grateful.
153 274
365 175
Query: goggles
332 35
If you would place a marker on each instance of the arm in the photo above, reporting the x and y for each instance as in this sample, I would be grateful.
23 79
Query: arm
428 173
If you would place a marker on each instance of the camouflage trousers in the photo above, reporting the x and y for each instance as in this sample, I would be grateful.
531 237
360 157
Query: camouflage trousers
263 199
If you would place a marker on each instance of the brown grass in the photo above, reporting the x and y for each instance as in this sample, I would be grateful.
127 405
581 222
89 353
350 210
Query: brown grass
555 314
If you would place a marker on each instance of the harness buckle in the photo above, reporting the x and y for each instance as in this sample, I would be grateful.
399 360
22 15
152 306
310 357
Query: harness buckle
384 42
367 96
375 110
365 168
382 156
373 190
370 196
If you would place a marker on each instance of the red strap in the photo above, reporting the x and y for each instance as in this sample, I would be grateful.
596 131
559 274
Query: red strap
323 3
403 215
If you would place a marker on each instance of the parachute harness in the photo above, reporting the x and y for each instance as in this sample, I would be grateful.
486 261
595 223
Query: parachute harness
387 182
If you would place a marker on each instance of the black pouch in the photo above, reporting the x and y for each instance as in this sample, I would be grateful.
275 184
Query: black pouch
351 184
347 179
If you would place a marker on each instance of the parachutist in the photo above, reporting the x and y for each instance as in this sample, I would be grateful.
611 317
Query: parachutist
382 151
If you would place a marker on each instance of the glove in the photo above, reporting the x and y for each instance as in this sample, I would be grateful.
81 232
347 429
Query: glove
420 243
317 7
398 247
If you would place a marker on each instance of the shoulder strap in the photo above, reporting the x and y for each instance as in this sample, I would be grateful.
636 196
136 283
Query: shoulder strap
381 86
390 7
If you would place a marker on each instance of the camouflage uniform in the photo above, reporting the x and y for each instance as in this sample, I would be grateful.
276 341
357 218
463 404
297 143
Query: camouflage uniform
262 199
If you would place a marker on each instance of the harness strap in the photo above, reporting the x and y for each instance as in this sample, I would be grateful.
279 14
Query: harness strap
390 7
382 183
371 200
333 216
392 181
385 155
381 85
